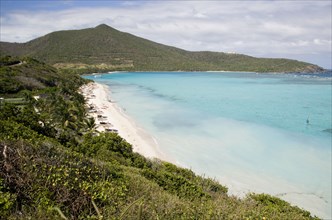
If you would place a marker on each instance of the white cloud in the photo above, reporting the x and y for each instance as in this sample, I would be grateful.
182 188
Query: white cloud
259 28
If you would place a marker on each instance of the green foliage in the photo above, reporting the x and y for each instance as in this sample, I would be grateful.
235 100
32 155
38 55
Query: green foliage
11 130
269 200
105 49
111 147
182 182
7 200
111 142
9 61
30 74
46 175
175 184
275 205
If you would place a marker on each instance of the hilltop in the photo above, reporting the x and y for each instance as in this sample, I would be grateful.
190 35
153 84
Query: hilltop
104 48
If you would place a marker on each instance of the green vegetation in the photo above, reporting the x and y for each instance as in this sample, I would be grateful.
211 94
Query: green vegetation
103 48
53 165
29 74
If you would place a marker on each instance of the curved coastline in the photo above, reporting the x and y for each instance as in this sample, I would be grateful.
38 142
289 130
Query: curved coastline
143 143
108 115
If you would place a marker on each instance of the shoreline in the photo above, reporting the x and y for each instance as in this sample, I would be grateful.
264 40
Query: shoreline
109 116
207 71
146 145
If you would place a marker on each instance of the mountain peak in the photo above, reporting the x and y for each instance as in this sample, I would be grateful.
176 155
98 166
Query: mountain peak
102 26
104 45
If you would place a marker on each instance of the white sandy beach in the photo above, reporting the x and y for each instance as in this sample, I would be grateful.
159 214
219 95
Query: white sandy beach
112 117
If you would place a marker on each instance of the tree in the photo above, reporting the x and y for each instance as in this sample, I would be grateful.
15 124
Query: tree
90 125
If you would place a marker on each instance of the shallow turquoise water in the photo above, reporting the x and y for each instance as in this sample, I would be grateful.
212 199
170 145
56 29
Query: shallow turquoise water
248 130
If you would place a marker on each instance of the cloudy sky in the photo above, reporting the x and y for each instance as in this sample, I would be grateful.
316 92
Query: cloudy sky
273 28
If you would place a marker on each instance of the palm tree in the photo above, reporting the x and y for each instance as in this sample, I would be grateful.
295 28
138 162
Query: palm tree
90 125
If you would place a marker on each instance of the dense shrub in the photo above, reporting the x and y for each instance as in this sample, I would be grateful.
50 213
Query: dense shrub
47 176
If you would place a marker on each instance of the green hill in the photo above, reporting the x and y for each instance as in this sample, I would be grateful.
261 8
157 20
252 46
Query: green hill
104 48
53 165
17 75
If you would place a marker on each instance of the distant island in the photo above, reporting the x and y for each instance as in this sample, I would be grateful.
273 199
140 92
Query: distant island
104 48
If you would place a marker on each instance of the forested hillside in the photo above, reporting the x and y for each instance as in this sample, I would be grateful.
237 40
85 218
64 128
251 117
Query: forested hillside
104 48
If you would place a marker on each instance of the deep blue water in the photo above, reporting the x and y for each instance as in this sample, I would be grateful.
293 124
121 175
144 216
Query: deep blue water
262 132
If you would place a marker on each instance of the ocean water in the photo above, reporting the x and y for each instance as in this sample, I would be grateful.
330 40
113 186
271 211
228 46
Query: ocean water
253 132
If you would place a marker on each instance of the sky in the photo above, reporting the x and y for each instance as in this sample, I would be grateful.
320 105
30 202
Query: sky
293 29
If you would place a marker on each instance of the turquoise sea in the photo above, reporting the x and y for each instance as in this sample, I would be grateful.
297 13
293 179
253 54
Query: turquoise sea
254 132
